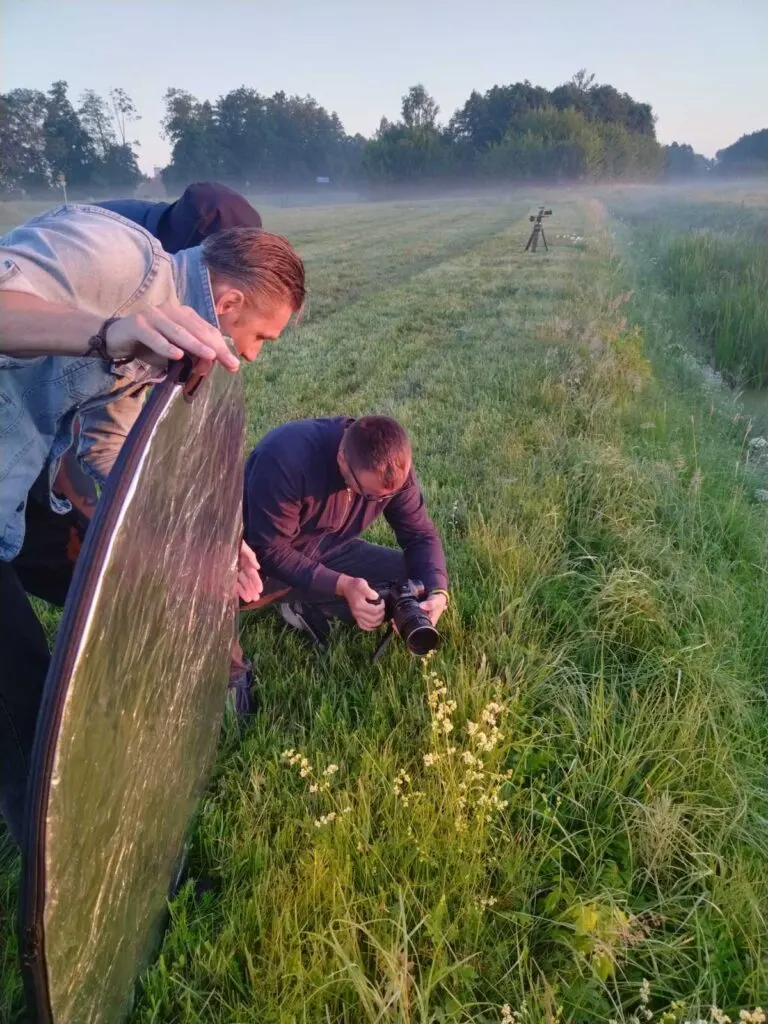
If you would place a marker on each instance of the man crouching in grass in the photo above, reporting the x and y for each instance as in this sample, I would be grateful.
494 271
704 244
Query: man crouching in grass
311 488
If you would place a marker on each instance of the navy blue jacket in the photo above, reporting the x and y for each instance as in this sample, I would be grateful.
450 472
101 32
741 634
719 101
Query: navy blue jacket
203 209
297 507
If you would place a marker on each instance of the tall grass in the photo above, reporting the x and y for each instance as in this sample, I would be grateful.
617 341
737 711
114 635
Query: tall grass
724 283
571 796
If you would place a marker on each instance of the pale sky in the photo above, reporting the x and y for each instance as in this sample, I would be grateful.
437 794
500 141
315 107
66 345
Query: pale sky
701 64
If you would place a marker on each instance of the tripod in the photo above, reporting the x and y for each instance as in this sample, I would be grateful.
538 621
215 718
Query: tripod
538 230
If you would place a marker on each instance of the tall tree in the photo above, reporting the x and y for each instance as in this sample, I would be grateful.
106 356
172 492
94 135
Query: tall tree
193 129
96 119
23 164
116 165
583 80
419 109
412 148
69 151
124 113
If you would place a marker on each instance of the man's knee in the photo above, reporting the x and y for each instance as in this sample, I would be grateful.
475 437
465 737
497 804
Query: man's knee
382 565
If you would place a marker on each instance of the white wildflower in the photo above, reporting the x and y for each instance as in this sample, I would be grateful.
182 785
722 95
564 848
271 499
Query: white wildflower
717 1016
756 1016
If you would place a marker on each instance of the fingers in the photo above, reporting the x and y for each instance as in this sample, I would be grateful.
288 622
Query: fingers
249 585
161 350
127 335
169 326
203 334
368 616
367 591
167 332
364 603
248 556
434 608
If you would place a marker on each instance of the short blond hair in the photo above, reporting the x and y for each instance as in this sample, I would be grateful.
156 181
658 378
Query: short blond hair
265 267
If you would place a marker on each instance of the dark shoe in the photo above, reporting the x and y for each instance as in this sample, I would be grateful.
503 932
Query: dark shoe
307 620
240 684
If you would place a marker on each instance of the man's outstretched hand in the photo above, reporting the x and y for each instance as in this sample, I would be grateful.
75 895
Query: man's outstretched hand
249 585
364 603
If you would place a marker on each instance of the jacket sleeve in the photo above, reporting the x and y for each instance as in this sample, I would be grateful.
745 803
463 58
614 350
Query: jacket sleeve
103 430
272 522
416 534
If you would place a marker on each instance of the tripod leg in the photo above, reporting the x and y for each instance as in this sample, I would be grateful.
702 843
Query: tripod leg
544 239
535 240
528 243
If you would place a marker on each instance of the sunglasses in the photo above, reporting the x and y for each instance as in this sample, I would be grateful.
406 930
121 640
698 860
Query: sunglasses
359 488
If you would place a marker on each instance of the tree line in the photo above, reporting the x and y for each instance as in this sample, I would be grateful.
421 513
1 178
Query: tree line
579 131
747 156
46 141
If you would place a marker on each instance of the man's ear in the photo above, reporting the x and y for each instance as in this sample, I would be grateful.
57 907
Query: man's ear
230 301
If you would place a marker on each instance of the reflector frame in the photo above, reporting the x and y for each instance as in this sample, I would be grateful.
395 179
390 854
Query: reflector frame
133 702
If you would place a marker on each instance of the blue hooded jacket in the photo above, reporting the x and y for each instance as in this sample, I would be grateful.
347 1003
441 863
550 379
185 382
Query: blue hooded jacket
204 208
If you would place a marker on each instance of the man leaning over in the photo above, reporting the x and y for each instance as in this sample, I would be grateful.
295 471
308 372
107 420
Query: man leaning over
91 304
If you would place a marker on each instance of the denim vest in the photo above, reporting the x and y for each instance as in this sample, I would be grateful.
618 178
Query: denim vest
95 260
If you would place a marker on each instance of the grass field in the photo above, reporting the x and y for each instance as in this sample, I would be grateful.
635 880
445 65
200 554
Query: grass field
563 816
710 250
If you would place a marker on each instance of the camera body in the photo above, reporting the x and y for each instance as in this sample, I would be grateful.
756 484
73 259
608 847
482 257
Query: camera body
401 604
542 213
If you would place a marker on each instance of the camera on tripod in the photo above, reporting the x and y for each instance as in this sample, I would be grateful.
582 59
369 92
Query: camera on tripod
401 607
537 232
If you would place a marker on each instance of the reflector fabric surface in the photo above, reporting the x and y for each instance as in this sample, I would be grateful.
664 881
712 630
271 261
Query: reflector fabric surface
133 703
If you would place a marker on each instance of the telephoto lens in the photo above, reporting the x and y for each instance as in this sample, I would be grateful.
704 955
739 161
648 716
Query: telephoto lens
413 625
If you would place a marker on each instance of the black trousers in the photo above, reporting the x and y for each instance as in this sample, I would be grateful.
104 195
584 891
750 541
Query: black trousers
44 568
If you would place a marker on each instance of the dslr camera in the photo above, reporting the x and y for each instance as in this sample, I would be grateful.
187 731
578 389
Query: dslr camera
401 606
542 213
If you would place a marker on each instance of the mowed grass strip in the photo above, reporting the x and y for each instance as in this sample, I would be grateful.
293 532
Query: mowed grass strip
571 796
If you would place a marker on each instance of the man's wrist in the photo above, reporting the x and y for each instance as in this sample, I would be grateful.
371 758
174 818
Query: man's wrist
341 585
439 590
98 344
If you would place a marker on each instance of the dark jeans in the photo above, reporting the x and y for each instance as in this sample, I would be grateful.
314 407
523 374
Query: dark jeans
44 568
372 562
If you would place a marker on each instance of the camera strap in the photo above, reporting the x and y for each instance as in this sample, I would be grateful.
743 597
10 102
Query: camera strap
384 644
